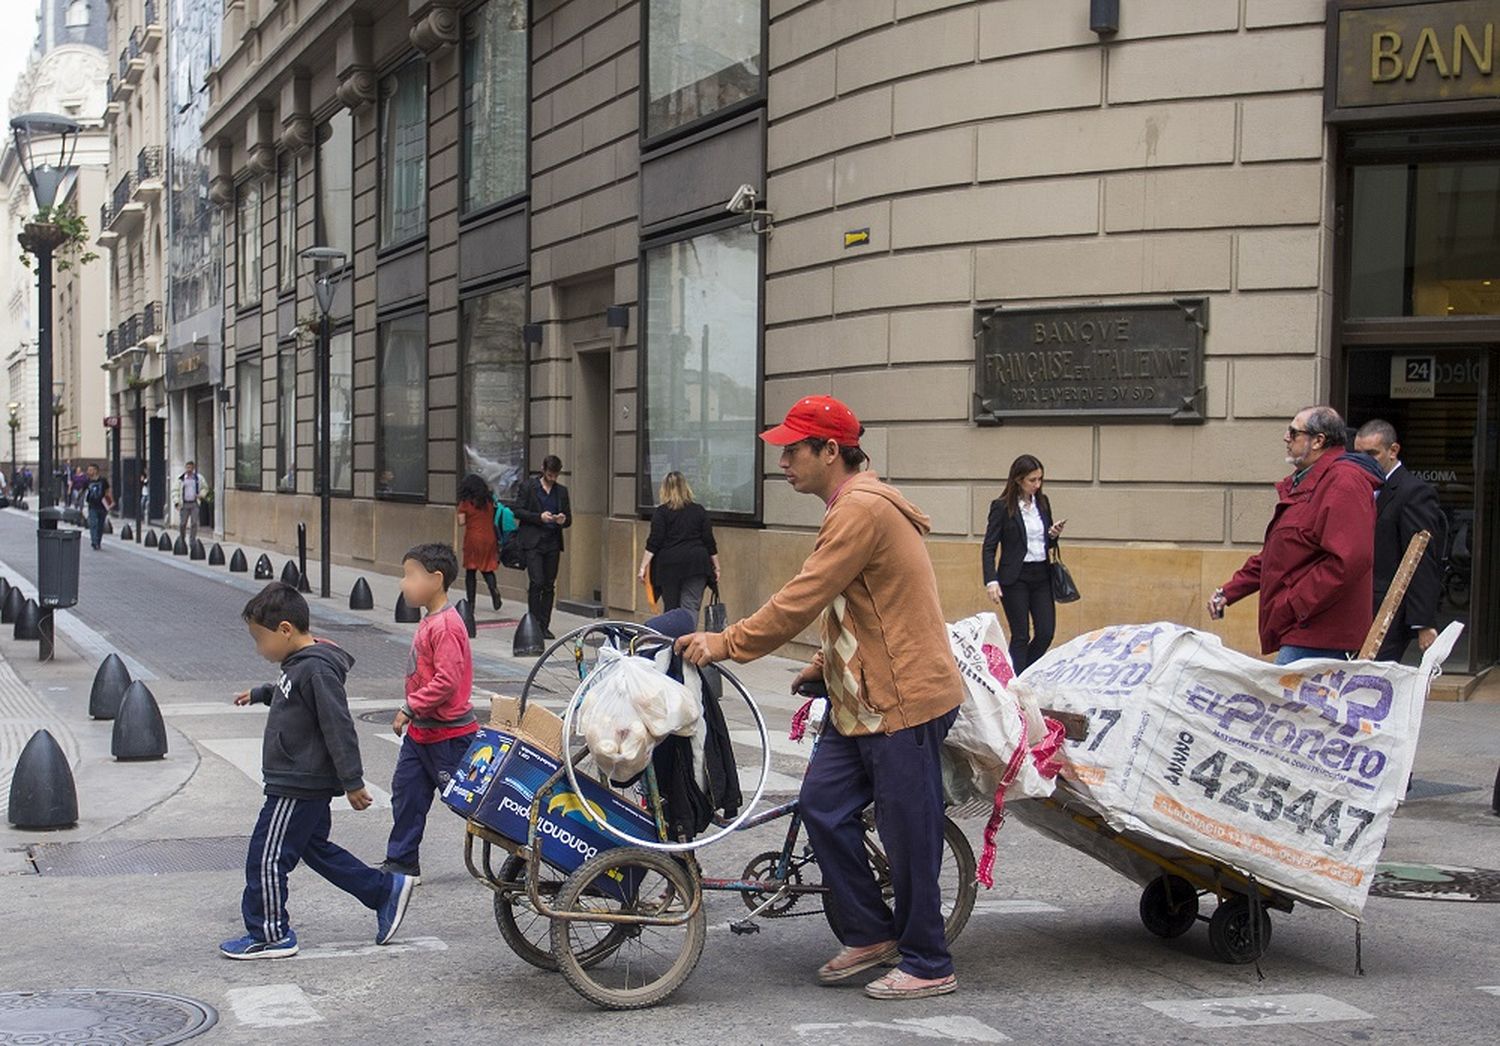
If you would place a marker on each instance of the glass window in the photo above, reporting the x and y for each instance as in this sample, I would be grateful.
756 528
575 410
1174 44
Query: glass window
403 154
401 424
703 367
247 423
286 225
494 104
341 425
702 56
286 420
247 222
335 218
494 387
1425 240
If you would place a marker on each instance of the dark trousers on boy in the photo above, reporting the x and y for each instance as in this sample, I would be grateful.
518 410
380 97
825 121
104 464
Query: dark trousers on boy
901 773
292 830
421 771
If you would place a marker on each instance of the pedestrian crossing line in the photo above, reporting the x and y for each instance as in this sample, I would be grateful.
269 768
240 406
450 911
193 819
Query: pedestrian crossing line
272 1006
355 949
227 707
243 753
1247 1010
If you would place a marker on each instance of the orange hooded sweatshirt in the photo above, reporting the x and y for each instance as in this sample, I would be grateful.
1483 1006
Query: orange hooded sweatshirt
885 655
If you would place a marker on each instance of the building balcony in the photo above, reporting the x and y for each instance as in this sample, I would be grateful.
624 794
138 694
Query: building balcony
151 31
148 186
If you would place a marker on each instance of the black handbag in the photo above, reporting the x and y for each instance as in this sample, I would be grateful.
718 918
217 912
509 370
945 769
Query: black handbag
1063 588
715 614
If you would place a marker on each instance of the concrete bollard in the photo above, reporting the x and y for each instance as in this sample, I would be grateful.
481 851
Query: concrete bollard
405 613
529 641
197 551
466 612
42 793
263 570
140 732
110 684
216 556
29 621
360 596
11 608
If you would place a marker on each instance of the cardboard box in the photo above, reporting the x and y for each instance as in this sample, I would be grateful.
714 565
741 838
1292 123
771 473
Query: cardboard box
539 726
472 777
568 837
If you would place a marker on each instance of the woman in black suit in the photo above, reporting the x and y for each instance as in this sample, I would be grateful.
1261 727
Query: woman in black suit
544 513
1021 528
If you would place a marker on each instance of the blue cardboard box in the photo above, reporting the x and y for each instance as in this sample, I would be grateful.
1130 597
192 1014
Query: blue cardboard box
568 837
474 773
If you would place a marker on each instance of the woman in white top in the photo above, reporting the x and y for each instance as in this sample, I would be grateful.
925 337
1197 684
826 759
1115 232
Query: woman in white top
1021 529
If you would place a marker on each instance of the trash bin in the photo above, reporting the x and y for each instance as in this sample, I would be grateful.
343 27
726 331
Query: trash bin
57 554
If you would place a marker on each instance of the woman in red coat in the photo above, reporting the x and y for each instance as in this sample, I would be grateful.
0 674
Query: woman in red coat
476 514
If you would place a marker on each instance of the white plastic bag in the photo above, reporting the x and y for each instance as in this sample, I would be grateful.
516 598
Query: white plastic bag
628 706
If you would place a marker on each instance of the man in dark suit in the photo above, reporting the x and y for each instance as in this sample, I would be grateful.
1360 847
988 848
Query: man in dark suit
544 513
1404 506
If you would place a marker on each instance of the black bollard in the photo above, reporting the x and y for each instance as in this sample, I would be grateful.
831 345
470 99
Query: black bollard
360 596
151 538
164 543
29 621
11 608
263 570
126 534
529 641
110 684
406 614
216 556
290 575
139 730
197 550
42 793
466 612
237 564
180 546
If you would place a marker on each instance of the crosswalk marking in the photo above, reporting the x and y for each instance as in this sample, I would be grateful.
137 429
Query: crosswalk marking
1244 1010
243 753
272 1006
354 949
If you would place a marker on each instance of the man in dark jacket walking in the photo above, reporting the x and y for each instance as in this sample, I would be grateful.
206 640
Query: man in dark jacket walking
1407 506
1315 569
544 513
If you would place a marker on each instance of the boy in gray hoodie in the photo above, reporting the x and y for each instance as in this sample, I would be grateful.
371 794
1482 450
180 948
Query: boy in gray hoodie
310 755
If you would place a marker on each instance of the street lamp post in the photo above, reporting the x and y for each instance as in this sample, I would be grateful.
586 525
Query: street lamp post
45 144
328 271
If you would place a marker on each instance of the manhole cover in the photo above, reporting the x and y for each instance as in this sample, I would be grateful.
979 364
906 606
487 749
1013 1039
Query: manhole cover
1433 882
101 1016
141 856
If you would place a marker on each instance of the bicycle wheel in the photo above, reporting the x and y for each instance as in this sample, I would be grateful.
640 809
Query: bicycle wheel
955 878
651 962
528 932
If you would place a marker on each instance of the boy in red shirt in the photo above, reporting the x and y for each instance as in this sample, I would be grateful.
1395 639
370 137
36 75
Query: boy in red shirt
437 718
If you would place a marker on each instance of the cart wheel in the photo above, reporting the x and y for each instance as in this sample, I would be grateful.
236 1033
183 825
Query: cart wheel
955 878
1229 932
650 962
529 933
1169 906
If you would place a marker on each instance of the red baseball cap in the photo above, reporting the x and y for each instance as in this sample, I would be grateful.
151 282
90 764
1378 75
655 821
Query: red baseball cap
820 416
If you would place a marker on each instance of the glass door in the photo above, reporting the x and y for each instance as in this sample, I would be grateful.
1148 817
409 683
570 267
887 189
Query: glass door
1442 402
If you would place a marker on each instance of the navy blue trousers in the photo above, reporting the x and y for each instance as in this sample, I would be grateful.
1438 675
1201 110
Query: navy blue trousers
292 830
421 771
902 774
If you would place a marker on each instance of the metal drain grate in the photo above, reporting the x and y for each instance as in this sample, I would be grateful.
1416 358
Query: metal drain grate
141 856
101 1016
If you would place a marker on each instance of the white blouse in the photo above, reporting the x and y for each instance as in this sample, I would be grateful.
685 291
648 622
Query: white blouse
1036 532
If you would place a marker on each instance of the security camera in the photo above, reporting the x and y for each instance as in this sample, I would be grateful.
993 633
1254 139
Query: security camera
743 200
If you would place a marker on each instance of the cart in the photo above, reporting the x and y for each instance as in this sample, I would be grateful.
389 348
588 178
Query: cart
626 925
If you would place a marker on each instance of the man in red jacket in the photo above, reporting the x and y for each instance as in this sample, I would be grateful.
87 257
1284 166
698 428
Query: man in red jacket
1315 571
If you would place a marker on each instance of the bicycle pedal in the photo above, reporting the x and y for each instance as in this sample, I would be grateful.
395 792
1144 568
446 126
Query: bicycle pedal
744 926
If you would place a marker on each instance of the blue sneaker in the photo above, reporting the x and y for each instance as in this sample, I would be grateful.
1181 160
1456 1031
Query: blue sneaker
248 947
393 909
